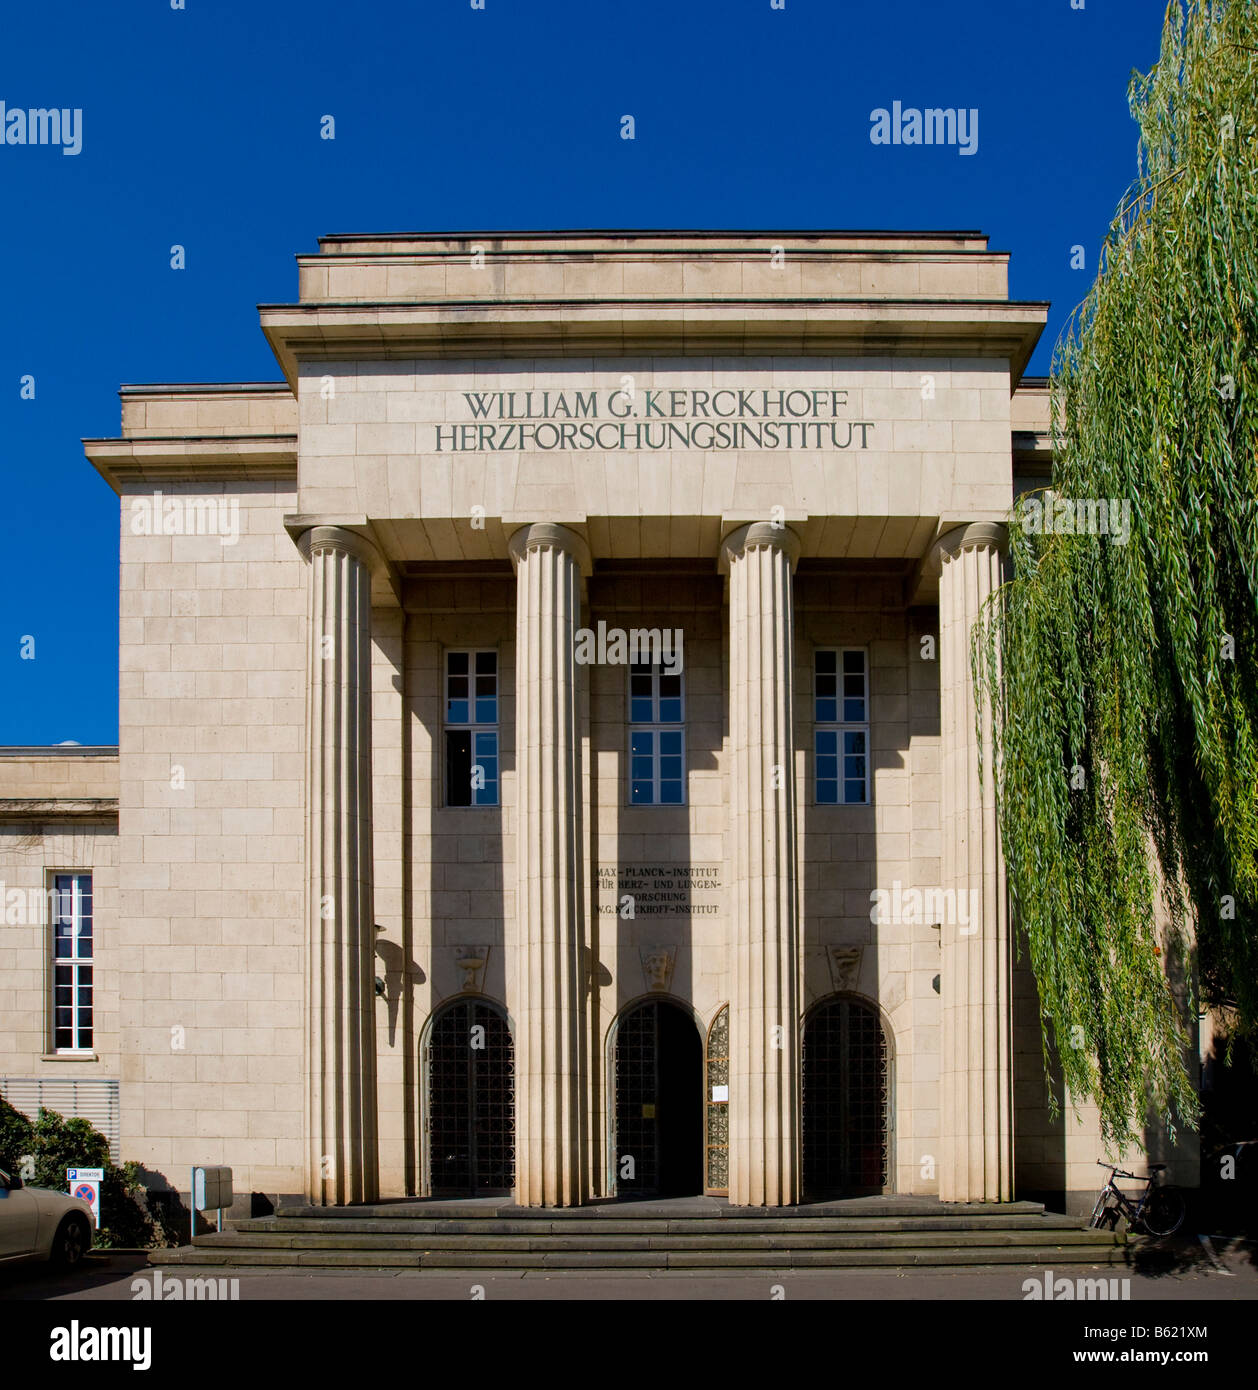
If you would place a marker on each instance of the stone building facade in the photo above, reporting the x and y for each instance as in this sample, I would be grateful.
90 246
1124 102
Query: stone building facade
547 758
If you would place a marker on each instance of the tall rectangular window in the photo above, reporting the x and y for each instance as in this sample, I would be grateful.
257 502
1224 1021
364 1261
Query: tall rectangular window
657 746
471 728
70 903
841 720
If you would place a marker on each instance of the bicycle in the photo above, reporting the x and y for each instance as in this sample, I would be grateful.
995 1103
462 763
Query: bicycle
1158 1211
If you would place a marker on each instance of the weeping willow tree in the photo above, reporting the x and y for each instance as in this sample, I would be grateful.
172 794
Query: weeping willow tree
1122 678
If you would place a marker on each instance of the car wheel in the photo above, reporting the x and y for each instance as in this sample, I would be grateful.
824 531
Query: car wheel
71 1241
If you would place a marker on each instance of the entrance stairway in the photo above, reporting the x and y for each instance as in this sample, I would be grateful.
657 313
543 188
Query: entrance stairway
685 1233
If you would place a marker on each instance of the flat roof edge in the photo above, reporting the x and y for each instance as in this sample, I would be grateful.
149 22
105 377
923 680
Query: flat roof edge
132 388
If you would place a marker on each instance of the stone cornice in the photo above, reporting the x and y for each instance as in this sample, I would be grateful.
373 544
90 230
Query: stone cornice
493 327
103 809
225 458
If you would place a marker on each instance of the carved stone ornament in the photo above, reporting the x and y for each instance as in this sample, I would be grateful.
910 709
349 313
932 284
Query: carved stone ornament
657 966
845 967
471 961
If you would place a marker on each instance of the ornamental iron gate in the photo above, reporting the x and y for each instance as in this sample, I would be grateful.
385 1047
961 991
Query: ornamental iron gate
471 1101
846 1100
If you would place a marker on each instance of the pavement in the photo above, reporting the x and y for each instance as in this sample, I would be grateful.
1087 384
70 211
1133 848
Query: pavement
1225 1270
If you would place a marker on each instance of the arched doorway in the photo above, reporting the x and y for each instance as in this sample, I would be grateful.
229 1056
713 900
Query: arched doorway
658 1073
471 1101
847 1068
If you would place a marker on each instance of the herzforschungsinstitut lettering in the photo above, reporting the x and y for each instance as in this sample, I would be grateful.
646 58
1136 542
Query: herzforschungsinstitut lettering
547 757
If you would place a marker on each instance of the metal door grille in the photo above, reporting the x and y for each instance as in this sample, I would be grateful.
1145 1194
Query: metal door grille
846 1090
637 1086
471 1101
717 1177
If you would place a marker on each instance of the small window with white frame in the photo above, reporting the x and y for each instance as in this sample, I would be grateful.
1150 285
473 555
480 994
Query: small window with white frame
72 940
471 728
841 726
657 737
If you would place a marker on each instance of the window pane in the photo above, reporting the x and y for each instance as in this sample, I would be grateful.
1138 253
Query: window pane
458 767
641 743
827 741
456 663
854 741
670 743
827 711
640 711
670 711
853 661
640 793
854 711
854 793
827 792
63 898
671 768
827 663
827 767
487 664
670 687
486 709
670 793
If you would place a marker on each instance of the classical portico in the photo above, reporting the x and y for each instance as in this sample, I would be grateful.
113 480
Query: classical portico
575 919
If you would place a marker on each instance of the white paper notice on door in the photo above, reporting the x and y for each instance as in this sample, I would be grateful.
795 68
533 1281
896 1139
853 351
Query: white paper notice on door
720 1093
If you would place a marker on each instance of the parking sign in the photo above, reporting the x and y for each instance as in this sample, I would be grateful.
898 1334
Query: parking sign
84 1183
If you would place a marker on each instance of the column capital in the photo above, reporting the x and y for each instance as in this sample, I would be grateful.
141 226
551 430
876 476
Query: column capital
974 535
318 538
758 535
549 534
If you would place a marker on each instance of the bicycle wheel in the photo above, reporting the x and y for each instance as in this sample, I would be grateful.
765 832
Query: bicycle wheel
1164 1212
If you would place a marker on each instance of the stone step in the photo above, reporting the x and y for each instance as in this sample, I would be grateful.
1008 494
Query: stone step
542 1225
272 1260
859 1209
795 1240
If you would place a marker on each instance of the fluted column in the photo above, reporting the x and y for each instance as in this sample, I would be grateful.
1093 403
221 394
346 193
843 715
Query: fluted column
765 958
341 1154
976 1073
547 998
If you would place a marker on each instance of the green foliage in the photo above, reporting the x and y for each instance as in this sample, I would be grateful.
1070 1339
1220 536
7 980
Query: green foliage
55 1144
1137 664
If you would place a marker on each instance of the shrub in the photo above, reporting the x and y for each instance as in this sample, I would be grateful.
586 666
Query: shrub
52 1144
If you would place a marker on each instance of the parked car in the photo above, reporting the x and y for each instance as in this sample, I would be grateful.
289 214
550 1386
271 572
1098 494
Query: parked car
37 1224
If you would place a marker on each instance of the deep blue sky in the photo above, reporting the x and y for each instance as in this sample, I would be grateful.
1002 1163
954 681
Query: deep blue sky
202 127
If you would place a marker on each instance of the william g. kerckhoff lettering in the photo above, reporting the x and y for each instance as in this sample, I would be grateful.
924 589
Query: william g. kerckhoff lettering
655 418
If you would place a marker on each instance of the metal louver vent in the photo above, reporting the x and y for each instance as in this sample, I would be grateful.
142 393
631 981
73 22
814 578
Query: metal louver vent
90 1099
